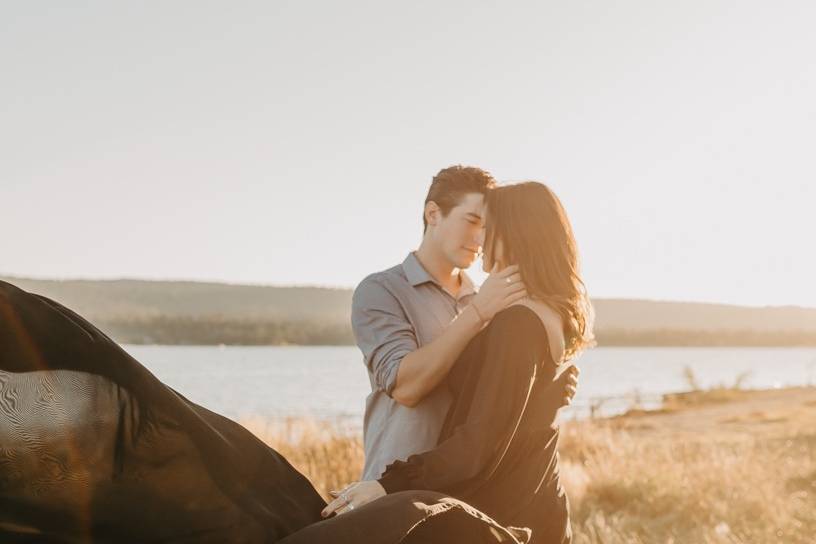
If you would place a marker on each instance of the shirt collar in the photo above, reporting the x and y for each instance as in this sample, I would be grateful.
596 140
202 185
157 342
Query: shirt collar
417 275
415 272
468 288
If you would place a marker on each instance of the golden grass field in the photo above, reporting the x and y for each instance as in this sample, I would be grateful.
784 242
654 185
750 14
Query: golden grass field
721 466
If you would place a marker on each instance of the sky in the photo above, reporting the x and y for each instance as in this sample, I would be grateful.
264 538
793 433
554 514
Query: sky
292 143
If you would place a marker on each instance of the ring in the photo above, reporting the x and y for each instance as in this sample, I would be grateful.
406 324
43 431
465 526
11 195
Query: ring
350 506
345 498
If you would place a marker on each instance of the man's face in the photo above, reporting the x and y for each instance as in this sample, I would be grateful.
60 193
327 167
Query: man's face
460 234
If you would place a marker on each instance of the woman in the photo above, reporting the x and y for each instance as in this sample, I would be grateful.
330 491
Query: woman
497 450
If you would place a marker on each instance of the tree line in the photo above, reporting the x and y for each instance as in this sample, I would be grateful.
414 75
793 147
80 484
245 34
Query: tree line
206 330
215 330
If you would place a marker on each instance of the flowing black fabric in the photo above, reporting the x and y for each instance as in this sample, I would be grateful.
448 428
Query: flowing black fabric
94 448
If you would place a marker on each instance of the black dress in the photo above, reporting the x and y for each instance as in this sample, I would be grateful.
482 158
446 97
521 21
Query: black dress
498 447
94 448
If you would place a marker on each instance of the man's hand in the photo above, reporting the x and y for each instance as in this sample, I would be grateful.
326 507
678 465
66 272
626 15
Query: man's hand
353 496
569 381
559 393
501 289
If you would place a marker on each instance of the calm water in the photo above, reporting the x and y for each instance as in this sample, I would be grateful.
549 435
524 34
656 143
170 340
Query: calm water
331 382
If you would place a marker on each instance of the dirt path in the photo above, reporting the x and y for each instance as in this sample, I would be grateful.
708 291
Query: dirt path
766 414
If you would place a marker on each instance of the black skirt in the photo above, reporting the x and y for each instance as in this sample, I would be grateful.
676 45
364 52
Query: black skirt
94 448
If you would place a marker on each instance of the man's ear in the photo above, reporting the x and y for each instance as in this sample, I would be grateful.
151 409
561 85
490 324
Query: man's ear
432 212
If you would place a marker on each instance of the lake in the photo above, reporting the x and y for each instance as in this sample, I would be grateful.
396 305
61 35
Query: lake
331 382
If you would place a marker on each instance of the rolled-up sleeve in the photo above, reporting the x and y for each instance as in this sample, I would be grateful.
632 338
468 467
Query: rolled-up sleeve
382 331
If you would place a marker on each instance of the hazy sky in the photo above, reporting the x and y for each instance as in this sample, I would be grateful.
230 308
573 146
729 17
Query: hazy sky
293 142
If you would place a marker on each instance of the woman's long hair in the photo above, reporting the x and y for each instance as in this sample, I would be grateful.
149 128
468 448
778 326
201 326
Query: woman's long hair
532 226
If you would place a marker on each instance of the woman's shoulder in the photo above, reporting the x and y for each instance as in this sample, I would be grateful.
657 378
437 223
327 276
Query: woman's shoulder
517 318
530 317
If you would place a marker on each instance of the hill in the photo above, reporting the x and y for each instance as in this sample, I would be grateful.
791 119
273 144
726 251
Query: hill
185 312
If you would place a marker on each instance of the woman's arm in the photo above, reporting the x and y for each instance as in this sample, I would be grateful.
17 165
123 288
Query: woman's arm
500 395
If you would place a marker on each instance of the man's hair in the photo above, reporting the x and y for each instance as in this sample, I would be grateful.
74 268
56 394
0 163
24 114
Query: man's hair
451 184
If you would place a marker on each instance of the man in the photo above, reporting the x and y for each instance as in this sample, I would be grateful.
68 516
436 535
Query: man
413 320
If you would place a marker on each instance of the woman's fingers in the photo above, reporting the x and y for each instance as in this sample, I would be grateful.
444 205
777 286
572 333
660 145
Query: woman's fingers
515 296
569 394
514 278
344 490
509 271
330 508
514 287
343 499
334 506
343 509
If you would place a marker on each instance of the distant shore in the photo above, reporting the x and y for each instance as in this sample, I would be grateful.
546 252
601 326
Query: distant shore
204 331
199 313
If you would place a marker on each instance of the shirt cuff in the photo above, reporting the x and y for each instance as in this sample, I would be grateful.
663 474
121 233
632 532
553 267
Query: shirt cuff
392 481
388 373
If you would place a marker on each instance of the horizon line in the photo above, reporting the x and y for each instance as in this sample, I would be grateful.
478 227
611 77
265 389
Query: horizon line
349 288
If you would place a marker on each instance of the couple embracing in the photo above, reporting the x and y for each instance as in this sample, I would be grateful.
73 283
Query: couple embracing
460 427
466 385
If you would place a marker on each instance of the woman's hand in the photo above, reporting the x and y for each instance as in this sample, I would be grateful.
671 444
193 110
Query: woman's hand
501 289
353 496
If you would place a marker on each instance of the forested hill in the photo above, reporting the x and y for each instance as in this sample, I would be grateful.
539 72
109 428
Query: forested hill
139 299
176 312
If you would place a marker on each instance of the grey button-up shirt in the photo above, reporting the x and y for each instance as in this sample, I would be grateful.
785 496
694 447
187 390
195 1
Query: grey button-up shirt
395 312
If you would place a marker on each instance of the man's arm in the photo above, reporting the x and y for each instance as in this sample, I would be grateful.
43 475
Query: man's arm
423 369
400 367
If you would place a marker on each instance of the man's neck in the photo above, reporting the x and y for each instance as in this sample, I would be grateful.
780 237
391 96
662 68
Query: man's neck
439 268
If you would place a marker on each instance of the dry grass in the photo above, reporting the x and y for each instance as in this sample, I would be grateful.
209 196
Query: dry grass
636 483
329 457
626 487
